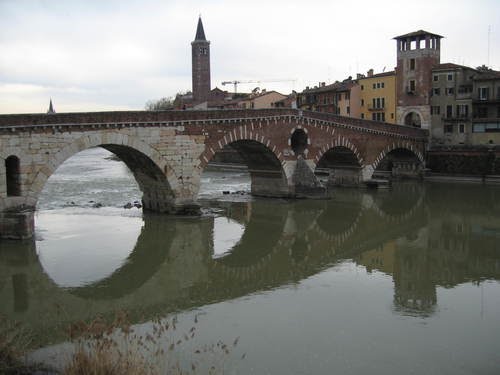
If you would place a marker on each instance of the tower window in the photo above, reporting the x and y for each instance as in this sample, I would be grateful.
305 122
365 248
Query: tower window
411 87
412 64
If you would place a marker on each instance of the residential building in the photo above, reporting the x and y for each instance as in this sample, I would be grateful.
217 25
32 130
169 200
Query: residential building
377 99
417 54
451 104
264 99
333 98
486 107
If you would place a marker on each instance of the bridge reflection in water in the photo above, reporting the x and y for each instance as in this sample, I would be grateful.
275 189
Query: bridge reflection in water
422 236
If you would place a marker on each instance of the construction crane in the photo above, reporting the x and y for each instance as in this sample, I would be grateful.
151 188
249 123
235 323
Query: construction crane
235 83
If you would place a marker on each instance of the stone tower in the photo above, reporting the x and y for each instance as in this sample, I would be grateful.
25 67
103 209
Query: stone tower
417 54
200 51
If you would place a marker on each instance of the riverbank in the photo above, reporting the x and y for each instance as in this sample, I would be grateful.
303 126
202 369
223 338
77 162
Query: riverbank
474 179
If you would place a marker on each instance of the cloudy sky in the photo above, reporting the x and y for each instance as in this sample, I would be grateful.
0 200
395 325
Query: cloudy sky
91 55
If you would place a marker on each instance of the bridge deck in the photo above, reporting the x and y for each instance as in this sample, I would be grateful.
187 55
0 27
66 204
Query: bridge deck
29 122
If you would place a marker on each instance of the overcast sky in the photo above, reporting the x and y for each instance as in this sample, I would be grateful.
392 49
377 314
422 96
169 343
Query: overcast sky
92 55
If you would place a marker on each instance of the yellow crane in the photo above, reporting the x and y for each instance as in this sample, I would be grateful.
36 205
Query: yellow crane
235 83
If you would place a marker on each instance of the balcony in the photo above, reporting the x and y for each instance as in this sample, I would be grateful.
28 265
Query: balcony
372 108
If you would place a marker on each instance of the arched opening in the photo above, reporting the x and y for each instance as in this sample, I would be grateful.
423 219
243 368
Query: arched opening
339 166
84 232
413 119
298 141
13 176
243 167
399 163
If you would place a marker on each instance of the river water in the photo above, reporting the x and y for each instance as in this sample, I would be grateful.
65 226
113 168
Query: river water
404 281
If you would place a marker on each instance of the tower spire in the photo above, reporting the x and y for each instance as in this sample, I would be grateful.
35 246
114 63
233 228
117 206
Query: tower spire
200 33
51 108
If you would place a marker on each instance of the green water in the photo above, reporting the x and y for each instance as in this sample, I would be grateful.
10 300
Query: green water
382 282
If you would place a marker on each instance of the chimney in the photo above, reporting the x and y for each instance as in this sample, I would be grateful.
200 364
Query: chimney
359 76
370 73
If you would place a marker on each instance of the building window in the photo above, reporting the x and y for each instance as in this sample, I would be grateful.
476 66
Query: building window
374 117
412 85
448 128
450 77
450 91
435 77
362 87
435 110
347 96
437 91
449 111
382 116
483 93
362 102
461 128
382 85
348 110
362 115
481 112
392 115
374 86
486 127
412 64
12 174
462 110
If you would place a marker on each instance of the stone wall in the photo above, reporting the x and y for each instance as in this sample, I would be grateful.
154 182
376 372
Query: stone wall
465 161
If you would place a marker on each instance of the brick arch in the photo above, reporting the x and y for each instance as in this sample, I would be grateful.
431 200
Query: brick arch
340 141
89 141
239 134
403 145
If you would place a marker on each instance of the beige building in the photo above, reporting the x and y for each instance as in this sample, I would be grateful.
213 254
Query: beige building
265 99
378 96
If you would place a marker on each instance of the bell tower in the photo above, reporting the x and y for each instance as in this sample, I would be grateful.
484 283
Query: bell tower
200 52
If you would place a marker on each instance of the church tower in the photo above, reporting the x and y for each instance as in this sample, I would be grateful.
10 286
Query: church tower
200 52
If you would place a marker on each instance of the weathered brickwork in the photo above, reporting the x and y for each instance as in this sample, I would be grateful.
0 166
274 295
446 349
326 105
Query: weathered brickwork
168 151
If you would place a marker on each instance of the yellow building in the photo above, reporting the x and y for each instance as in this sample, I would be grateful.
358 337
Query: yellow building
378 96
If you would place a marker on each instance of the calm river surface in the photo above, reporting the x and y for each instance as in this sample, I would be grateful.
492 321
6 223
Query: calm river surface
369 282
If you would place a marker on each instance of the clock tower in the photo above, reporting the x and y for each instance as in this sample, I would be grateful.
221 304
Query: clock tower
200 52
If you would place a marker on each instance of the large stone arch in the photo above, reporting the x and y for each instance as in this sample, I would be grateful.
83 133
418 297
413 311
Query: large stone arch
239 134
339 163
267 167
155 178
399 145
339 141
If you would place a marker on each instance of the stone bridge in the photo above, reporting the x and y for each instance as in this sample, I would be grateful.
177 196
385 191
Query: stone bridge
167 151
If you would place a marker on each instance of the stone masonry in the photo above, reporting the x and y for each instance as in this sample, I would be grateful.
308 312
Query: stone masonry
167 151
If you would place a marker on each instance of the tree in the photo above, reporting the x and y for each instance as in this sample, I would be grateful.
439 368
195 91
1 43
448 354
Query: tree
170 102
162 104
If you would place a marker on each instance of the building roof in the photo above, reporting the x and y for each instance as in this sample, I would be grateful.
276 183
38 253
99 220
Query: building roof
416 34
451 66
487 75
336 86
379 75
200 33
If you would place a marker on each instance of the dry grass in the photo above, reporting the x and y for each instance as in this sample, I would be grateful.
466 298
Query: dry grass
114 348
13 342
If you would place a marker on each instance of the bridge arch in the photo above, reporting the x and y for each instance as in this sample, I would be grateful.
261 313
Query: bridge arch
405 149
343 143
265 163
151 172
339 163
